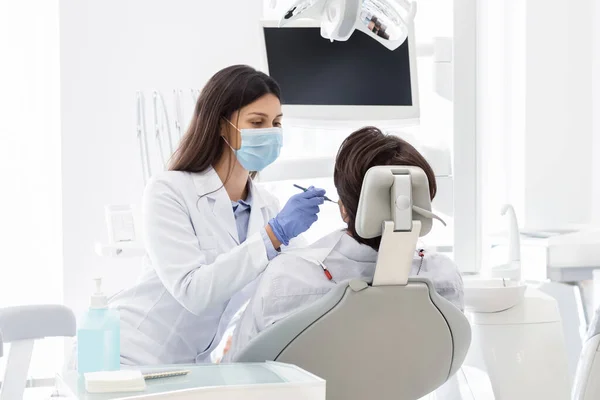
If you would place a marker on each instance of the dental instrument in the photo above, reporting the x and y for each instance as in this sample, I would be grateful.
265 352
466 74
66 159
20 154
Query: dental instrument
195 94
178 112
305 189
165 122
159 127
165 374
142 137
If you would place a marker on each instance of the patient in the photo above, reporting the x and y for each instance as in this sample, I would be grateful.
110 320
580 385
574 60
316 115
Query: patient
295 279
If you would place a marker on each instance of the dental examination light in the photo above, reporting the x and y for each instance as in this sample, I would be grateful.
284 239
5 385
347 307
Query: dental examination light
386 21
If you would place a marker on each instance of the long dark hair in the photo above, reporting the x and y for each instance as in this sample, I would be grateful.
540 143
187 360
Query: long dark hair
227 91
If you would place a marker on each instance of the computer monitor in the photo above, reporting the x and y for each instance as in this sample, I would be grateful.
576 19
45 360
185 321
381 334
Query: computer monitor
357 79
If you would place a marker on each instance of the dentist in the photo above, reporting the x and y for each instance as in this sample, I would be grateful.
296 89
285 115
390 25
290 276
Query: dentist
208 230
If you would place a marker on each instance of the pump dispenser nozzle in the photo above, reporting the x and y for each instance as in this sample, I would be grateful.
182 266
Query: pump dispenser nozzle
98 299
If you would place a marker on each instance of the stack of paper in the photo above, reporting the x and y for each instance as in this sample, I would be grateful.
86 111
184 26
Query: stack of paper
114 381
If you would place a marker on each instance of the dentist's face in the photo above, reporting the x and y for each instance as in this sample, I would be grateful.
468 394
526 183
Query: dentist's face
263 113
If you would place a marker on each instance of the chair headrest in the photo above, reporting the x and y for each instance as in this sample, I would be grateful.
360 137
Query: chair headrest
383 196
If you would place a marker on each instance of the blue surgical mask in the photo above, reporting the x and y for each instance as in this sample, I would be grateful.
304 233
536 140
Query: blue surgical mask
260 147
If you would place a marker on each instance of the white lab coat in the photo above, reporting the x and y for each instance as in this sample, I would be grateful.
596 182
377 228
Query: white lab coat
193 267
295 280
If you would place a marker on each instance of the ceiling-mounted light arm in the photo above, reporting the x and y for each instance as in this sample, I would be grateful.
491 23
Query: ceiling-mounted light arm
386 21
311 9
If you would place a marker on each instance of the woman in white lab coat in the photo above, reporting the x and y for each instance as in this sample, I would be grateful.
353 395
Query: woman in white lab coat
208 230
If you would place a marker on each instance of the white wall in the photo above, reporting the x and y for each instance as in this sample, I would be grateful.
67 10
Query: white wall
595 21
110 49
558 114
501 108
536 112
30 170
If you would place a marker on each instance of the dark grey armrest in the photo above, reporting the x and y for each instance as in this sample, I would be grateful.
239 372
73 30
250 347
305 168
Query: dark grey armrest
36 322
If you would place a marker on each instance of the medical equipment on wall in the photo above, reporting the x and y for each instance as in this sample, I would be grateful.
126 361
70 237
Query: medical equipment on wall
141 136
124 237
120 223
178 113
386 21
161 126
517 332
305 189
195 94
356 79
168 118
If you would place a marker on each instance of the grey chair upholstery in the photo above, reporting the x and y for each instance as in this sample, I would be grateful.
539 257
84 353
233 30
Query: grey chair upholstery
386 342
36 322
21 326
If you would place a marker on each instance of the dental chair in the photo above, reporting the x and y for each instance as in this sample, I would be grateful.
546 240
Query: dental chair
587 378
21 326
393 339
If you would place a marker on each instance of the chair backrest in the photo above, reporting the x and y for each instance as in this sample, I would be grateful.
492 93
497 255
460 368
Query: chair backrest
384 342
21 326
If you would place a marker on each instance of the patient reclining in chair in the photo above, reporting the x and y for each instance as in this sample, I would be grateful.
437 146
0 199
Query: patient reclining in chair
299 277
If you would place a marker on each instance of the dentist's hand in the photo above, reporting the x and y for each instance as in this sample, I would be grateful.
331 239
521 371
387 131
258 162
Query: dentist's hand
298 214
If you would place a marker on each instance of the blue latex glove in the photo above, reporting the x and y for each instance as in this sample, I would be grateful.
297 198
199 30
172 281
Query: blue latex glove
298 214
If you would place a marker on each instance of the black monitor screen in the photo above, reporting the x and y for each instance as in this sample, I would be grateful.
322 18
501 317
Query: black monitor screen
359 72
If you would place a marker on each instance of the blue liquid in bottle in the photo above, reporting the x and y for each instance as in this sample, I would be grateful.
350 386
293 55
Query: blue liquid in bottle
99 336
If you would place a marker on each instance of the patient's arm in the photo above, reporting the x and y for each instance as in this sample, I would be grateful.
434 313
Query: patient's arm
216 356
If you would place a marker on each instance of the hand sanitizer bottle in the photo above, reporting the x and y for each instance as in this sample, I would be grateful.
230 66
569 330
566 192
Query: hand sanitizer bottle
99 336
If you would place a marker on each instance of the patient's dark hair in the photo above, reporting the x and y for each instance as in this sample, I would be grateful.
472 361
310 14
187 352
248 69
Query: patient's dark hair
366 148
